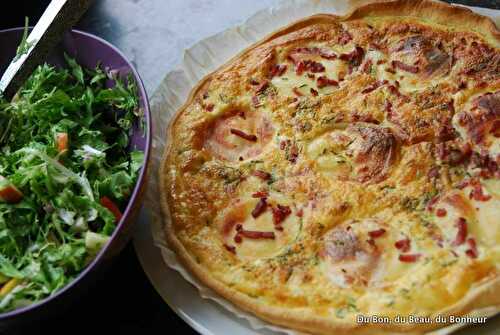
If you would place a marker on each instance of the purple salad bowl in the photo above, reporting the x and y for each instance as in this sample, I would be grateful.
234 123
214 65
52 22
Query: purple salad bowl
88 50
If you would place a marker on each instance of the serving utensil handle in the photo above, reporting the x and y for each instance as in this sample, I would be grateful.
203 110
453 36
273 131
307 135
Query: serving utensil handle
59 17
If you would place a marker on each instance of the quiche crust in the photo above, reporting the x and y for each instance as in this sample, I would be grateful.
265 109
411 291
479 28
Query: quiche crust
260 206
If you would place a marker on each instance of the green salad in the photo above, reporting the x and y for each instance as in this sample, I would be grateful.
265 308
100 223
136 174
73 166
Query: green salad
65 175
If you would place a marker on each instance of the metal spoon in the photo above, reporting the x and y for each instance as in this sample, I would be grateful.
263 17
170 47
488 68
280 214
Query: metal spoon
58 18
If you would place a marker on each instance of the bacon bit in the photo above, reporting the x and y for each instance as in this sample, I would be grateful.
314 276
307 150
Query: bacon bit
238 238
409 258
366 68
371 242
442 151
403 245
209 107
405 67
296 91
481 84
472 251
345 37
477 192
262 174
463 184
314 92
461 233
300 213
259 208
299 68
452 155
441 212
466 149
374 45
327 54
381 61
376 233
394 90
388 109
303 50
283 145
370 88
489 168
486 174
248 137
471 242
374 86
230 248
242 115
294 153
309 66
480 161
323 81
262 87
257 234
455 157
280 213
433 172
260 194
255 101
431 203
364 118
354 57
254 82
277 70
112 207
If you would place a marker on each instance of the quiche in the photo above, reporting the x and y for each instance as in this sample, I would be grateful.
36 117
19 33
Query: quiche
346 168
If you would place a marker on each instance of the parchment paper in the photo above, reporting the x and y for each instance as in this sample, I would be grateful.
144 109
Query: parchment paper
201 59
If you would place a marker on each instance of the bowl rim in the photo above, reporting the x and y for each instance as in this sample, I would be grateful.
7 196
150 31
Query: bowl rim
141 179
